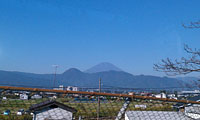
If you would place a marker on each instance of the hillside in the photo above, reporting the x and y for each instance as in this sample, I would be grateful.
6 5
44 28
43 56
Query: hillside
75 77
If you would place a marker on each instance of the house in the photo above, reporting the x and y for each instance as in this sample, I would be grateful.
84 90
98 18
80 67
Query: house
190 92
193 111
61 87
23 97
52 110
161 95
190 110
72 88
4 98
172 96
155 115
141 106
36 96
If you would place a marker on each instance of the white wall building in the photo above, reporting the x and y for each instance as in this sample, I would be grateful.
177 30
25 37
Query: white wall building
172 96
36 96
72 88
52 110
4 98
23 97
61 87
141 106
161 95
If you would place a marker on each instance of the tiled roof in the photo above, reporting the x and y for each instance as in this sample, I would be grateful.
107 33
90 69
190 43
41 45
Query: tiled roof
50 103
156 115
193 109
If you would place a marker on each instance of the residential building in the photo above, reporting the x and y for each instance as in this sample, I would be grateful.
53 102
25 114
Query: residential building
155 115
52 110
61 87
4 98
23 97
72 88
193 111
141 106
36 96
189 92
172 96
161 95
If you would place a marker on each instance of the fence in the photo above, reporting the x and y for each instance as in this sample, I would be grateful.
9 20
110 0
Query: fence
20 103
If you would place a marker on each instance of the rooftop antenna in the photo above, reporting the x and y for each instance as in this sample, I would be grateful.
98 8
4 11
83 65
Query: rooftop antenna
54 81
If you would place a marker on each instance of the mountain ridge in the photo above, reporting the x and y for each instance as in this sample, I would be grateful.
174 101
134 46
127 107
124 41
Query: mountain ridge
101 67
75 77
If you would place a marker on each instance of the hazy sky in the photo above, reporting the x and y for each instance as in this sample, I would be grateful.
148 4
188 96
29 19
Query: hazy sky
132 34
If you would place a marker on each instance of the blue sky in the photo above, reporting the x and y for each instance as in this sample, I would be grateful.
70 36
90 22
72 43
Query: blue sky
132 34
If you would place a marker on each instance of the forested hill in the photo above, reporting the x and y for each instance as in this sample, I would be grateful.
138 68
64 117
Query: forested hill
75 77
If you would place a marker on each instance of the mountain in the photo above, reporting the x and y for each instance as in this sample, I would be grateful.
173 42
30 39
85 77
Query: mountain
25 79
188 79
102 67
191 82
75 77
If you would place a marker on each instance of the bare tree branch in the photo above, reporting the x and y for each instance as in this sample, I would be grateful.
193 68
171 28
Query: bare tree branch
192 25
182 66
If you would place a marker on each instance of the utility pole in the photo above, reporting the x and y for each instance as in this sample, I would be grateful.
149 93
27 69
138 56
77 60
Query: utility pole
54 81
98 109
